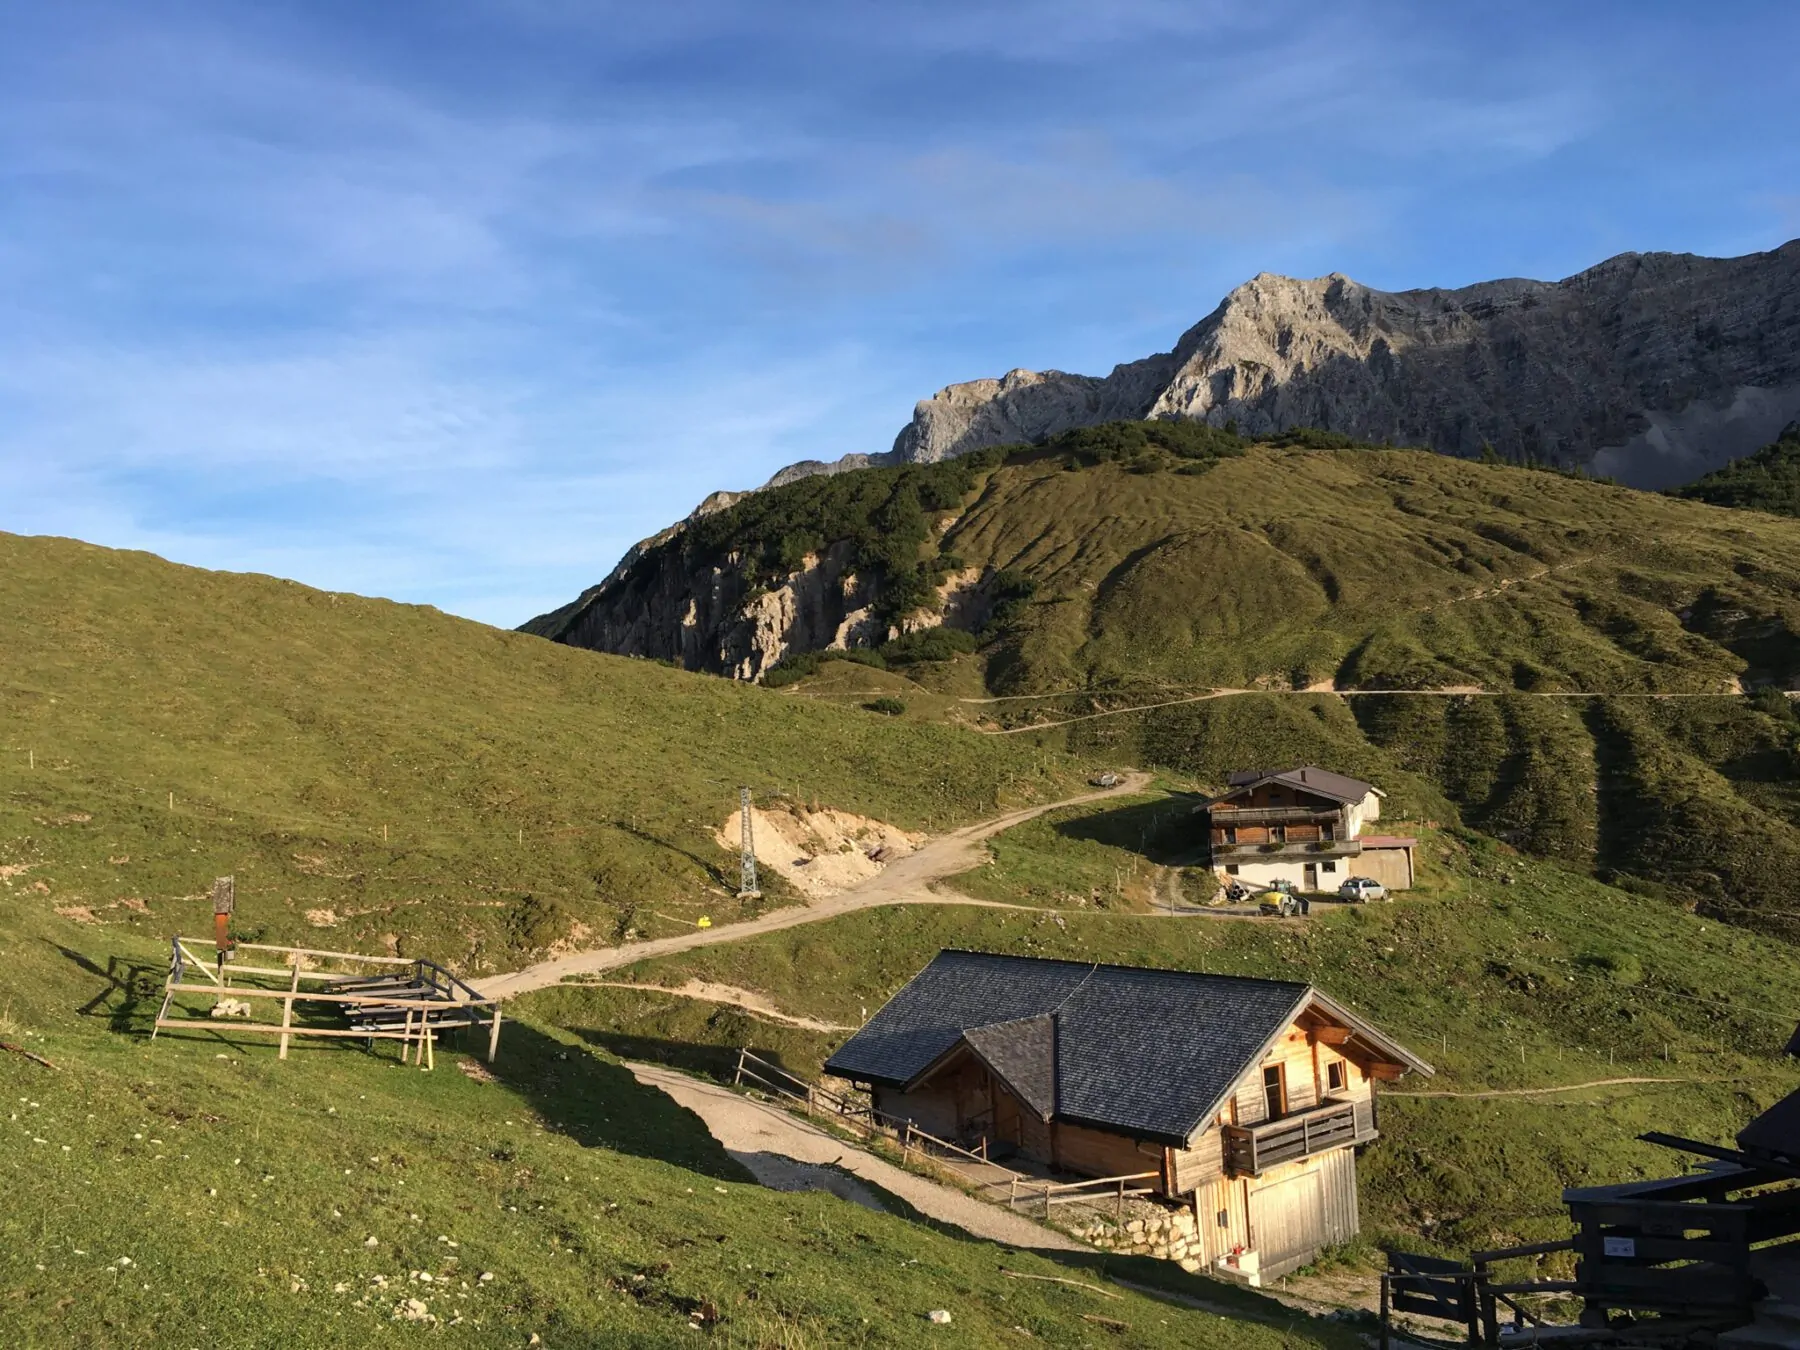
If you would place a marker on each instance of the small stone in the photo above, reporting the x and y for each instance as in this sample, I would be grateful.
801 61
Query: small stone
940 1316
371 1242
486 1276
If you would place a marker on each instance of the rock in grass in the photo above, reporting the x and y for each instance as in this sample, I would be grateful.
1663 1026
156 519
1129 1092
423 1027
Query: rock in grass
941 1316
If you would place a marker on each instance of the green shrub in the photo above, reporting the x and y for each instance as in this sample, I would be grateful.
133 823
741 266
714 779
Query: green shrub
887 704
1769 480
928 644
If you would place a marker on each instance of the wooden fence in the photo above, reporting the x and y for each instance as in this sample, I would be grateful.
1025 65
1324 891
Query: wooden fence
1021 1190
409 1000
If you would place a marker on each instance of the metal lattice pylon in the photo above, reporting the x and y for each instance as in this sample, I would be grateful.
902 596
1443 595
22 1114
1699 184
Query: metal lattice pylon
747 887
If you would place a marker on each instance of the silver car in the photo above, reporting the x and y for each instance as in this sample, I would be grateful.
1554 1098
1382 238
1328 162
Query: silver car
1361 889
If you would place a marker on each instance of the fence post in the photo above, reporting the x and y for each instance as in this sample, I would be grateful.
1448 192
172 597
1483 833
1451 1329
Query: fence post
906 1143
1385 1316
494 1034
737 1079
287 1010
1012 1198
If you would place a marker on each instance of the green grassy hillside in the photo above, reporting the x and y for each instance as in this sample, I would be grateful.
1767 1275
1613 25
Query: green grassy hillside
1375 569
164 725
1769 480
197 1191
1139 574
382 774
1505 972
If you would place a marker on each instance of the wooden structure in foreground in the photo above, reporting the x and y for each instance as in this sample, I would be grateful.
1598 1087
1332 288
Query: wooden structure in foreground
1671 1257
372 998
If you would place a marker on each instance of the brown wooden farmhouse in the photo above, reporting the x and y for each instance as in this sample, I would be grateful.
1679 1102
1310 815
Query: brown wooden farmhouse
1304 826
1247 1097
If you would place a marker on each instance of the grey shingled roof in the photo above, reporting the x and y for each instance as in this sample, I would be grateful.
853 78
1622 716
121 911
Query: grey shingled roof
1147 1052
958 990
1308 778
1024 1054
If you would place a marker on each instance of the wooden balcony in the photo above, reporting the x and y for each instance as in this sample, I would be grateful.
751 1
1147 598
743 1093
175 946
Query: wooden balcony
1296 851
1252 1149
1273 815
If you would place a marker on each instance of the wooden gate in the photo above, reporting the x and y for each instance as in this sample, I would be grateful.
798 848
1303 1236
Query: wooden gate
1287 1223
1429 1286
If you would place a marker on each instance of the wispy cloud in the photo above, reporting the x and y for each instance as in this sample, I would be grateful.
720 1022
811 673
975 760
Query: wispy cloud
455 303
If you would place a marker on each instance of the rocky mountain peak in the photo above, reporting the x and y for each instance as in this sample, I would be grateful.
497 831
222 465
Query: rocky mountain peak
1651 367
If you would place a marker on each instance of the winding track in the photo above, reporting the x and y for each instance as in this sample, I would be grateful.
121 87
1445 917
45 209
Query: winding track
906 881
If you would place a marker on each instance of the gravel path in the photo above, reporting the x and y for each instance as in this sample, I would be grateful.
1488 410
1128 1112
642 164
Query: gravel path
786 1153
905 881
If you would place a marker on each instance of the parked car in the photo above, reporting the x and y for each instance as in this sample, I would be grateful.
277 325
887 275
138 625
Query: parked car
1362 889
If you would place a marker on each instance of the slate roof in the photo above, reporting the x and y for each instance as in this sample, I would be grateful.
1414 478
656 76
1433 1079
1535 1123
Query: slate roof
1308 778
1775 1132
1024 1054
1151 1053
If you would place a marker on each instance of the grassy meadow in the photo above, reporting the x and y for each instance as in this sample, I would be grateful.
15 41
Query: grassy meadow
164 726
197 1191
1504 971
379 775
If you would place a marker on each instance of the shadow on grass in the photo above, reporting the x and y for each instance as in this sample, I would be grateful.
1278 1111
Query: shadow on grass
1167 831
132 992
597 1103
717 1062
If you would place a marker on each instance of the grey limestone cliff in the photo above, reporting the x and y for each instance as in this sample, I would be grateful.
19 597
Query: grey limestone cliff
1653 368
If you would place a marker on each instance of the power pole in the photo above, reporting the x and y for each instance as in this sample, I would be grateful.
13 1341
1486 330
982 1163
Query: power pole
747 887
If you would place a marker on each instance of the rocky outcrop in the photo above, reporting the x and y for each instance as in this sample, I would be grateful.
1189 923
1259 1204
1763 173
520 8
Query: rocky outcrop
658 605
1653 368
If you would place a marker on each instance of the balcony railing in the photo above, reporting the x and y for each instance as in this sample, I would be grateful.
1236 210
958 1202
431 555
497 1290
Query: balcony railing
1273 815
1303 850
1253 1149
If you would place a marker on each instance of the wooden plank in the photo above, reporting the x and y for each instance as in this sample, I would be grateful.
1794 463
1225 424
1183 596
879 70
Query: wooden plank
1530 1249
287 1013
361 1000
1637 1213
1680 1284
314 951
232 1025
1649 1251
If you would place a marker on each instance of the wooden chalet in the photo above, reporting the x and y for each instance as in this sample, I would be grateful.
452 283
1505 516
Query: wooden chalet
1304 826
1247 1098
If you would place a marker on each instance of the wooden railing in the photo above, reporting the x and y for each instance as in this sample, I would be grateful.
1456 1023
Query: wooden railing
411 1000
1296 848
1242 815
1252 1149
1089 1192
1020 1191
819 1101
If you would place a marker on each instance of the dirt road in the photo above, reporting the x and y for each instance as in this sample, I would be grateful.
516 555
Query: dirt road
787 1154
905 881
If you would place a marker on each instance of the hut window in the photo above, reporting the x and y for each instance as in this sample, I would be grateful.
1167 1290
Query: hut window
1328 867
1224 1218
1231 869
1334 1075
1275 1091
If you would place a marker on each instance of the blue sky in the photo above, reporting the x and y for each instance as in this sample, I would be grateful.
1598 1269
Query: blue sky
453 301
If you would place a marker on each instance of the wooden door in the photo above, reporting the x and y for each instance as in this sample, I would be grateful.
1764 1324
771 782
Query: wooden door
1287 1223
1312 877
